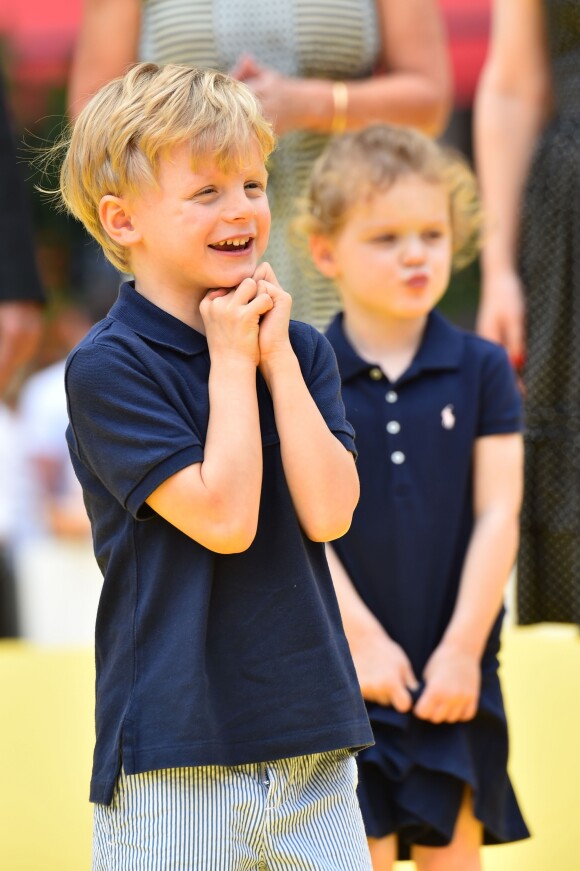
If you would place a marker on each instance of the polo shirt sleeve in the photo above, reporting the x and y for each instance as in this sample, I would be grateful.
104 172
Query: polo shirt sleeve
320 370
501 404
128 431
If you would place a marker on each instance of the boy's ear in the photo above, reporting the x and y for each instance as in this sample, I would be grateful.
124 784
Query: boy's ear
116 219
322 253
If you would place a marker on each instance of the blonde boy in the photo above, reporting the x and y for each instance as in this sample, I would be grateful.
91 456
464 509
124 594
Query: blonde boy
210 439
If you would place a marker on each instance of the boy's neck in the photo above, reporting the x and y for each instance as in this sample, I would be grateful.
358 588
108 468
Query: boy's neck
389 342
182 304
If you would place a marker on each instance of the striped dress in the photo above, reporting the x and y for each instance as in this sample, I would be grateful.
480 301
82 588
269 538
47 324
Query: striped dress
329 39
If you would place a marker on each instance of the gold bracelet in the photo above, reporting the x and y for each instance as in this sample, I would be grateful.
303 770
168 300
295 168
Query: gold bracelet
340 105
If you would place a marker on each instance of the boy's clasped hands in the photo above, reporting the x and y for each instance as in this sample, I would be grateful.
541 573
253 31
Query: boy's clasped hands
249 322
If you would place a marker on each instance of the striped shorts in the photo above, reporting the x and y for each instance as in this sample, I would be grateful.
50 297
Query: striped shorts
297 814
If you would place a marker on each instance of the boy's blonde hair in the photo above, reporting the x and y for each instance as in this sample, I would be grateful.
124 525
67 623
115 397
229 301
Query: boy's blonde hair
356 165
115 144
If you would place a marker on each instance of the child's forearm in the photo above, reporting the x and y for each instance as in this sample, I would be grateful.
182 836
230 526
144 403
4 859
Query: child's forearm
498 472
359 621
321 474
232 466
216 502
486 569
384 671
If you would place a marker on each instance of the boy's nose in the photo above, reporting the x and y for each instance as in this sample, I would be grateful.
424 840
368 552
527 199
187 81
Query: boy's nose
238 207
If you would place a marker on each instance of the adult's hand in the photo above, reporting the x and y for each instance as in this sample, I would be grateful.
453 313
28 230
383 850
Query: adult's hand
282 98
501 316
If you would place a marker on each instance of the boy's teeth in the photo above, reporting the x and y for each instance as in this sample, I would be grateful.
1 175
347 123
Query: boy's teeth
235 242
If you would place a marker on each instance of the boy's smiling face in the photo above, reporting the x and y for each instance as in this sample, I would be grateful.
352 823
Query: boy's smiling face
201 227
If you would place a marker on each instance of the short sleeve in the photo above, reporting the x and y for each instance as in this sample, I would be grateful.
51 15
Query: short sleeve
320 370
501 404
123 426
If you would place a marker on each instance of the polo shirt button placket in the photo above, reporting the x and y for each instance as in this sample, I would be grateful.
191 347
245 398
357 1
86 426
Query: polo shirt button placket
394 427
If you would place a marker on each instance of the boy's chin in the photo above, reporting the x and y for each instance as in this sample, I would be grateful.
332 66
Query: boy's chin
237 276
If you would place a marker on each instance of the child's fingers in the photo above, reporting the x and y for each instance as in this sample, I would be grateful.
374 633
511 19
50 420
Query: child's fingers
409 677
438 713
280 297
265 272
271 289
261 304
401 698
426 705
434 707
265 287
452 712
246 291
439 708
215 294
468 711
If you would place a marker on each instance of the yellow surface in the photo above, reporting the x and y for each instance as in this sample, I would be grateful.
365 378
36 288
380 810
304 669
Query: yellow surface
46 736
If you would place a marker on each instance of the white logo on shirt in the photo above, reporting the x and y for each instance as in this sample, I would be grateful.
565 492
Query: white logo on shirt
447 417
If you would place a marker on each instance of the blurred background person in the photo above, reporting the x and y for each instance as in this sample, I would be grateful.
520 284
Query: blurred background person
528 156
318 68
21 295
57 579
10 481
21 291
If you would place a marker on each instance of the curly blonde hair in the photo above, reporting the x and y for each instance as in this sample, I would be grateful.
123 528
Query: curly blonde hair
357 164
115 144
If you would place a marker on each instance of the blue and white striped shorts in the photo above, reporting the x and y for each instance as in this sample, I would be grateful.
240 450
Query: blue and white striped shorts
298 814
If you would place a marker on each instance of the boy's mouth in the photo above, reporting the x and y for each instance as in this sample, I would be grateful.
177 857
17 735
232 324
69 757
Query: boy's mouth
240 243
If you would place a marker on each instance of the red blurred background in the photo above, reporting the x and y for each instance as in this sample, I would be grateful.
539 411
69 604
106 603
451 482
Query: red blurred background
37 39
36 43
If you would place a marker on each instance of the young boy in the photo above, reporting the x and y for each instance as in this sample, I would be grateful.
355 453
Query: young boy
209 437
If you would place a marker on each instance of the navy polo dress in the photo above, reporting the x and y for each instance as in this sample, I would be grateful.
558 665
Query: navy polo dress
404 553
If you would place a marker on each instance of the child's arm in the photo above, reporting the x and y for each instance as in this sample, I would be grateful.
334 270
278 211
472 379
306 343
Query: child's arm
216 502
452 673
384 672
321 474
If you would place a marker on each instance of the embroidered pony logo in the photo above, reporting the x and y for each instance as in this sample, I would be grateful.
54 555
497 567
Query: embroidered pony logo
447 417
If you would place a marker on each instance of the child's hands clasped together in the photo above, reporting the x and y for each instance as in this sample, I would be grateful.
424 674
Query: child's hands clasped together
250 321
452 679
232 320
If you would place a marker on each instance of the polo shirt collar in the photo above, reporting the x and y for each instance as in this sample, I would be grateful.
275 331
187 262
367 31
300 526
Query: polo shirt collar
152 323
441 348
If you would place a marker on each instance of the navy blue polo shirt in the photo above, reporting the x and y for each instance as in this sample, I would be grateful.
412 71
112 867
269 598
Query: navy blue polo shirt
201 658
406 546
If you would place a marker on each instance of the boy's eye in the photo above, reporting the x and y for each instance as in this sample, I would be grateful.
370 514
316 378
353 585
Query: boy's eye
433 235
204 192
387 238
254 185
